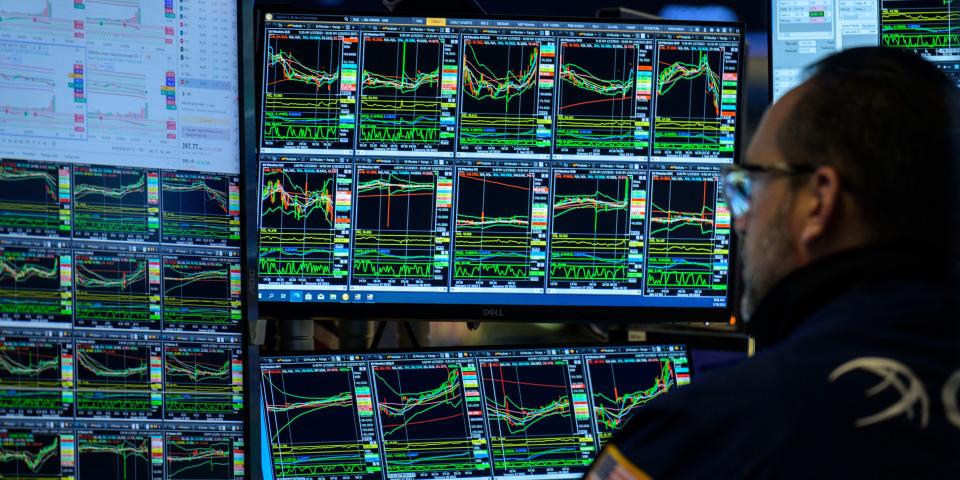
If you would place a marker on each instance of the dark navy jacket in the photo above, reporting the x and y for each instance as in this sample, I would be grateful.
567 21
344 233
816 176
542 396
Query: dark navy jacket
851 380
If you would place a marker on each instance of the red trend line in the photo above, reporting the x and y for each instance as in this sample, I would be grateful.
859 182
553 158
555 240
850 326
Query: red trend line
595 101
496 183
426 421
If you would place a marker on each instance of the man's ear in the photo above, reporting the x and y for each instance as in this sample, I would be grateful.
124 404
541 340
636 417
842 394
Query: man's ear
818 205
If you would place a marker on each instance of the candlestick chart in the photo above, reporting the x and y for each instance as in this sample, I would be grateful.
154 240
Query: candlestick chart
620 386
424 419
299 223
305 83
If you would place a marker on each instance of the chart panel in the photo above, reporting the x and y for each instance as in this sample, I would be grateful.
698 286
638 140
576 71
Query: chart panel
202 381
500 231
117 290
408 93
689 234
201 293
604 96
36 283
118 379
537 414
200 209
696 100
310 90
119 454
506 95
621 384
36 453
431 419
597 228
305 211
34 199
203 455
927 27
36 376
116 203
402 225
337 396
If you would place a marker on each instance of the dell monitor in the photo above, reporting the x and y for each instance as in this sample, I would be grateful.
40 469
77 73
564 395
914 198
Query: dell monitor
498 167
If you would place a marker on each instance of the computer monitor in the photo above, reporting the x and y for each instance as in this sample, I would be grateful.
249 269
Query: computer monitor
494 167
533 413
121 348
803 32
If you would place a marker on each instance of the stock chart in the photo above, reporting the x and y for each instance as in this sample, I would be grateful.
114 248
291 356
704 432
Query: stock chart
338 397
401 219
408 93
598 227
476 413
490 162
120 240
310 82
603 99
689 231
684 127
500 228
927 27
621 384
429 419
505 100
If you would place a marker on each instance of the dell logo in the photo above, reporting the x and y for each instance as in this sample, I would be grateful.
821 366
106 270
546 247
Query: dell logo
493 312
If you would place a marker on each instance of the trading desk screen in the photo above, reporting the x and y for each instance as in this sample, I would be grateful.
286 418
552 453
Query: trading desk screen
537 413
121 355
804 32
464 161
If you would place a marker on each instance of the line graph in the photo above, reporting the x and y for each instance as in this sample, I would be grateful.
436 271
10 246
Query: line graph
603 100
500 227
424 417
24 454
505 100
117 290
201 368
620 386
116 203
116 454
194 457
201 293
691 116
118 379
408 93
531 416
305 223
33 373
36 284
39 21
684 230
335 397
596 241
34 199
43 85
126 23
200 209
310 86
928 27
402 212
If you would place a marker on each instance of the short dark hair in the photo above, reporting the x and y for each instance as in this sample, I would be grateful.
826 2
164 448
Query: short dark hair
886 119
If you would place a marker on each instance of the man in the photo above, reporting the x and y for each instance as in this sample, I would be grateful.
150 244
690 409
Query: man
844 204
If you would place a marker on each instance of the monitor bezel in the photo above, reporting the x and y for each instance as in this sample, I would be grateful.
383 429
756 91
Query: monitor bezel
464 311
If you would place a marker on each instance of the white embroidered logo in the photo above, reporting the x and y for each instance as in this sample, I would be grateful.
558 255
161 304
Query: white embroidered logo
892 374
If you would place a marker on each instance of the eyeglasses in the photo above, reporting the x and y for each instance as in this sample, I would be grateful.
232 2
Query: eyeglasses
738 182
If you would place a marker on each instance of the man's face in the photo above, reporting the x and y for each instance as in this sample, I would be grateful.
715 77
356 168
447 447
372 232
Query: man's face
768 246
